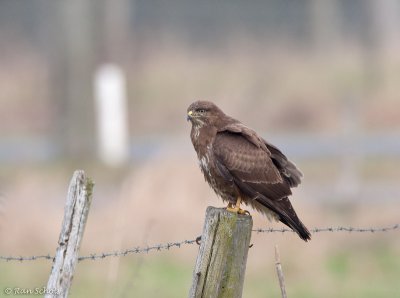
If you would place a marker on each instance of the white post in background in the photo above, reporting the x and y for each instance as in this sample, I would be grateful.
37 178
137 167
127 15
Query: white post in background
112 122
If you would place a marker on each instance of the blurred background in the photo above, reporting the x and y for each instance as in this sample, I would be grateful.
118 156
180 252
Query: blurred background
104 86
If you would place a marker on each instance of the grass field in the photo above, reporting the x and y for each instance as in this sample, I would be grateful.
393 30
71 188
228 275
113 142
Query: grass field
125 214
371 272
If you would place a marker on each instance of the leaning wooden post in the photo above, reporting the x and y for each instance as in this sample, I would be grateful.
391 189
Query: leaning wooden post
75 215
221 262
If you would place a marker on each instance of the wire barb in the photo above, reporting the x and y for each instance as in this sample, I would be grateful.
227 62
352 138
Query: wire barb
334 229
169 245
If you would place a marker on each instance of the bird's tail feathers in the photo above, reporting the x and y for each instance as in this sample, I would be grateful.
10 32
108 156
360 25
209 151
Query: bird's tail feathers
282 208
296 225
286 214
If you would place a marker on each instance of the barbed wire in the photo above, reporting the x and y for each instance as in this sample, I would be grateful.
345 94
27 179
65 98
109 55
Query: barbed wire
169 245
334 229
135 250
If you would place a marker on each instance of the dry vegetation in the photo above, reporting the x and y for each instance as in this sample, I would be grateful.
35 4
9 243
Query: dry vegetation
150 204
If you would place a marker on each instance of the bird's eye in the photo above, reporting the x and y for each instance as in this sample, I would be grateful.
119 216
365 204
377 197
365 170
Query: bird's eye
201 111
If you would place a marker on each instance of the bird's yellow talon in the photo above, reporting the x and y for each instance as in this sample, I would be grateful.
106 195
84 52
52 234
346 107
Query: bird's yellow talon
233 210
237 210
245 212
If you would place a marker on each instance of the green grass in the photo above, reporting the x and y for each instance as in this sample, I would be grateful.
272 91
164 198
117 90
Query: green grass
145 276
357 272
371 272
337 265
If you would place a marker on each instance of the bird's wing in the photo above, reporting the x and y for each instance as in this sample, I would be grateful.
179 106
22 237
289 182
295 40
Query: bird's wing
251 167
287 169
253 171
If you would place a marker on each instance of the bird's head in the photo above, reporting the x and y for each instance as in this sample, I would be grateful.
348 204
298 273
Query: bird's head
202 113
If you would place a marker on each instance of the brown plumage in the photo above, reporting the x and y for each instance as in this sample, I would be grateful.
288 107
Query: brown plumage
237 163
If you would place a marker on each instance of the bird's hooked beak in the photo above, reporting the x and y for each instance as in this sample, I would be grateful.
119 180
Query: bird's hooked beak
189 115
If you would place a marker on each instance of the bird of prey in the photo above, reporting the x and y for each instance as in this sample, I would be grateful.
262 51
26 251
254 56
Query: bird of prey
240 166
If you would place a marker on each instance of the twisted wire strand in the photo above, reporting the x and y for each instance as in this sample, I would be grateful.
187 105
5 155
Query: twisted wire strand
169 245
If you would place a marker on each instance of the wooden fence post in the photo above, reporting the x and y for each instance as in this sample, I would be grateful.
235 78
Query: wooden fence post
221 262
75 215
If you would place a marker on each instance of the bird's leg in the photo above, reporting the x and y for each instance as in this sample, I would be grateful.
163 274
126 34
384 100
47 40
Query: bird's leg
236 208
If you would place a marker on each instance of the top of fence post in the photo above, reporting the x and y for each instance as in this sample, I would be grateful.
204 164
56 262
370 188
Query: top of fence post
75 216
221 262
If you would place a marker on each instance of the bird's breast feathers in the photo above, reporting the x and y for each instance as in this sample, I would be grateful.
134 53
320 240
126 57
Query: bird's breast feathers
204 163
204 157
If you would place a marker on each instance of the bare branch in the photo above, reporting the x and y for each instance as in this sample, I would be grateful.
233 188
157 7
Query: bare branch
279 272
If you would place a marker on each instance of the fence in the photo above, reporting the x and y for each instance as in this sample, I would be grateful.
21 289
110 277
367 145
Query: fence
180 244
221 262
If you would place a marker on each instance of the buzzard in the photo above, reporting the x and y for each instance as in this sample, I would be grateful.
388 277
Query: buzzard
242 167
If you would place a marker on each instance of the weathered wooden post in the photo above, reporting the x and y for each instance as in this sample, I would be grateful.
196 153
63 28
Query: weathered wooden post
75 215
221 262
